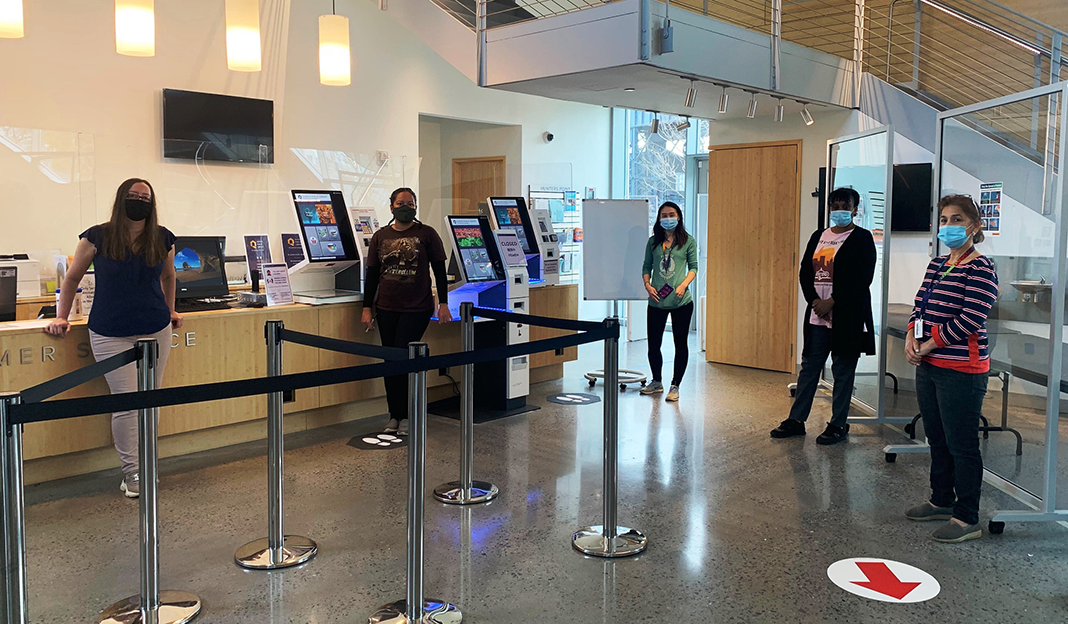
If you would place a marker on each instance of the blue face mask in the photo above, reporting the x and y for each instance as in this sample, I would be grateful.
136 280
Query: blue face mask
954 236
669 223
841 218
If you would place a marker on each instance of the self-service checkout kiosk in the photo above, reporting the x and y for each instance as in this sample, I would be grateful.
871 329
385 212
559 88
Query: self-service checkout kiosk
331 271
492 278
543 260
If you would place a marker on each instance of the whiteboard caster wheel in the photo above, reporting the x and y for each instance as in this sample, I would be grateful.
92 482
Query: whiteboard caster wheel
593 382
793 392
622 387
996 528
643 384
909 429
891 458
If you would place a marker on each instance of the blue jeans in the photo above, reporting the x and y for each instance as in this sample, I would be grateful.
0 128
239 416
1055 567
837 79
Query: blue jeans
844 371
951 403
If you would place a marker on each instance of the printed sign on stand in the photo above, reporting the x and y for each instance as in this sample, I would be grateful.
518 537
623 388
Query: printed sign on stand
292 250
883 580
257 251
511 248
276 279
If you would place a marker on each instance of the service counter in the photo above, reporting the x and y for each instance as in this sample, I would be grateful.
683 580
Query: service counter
224 346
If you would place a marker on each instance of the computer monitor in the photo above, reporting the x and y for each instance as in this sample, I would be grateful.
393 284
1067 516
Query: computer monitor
325 228
199 267
9 283
480 260
510 213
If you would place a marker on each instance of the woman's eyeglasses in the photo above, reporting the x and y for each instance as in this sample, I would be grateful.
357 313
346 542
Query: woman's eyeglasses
146 198
405 205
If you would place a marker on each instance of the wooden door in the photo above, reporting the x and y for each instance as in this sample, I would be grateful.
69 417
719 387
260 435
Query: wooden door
474 180
754 194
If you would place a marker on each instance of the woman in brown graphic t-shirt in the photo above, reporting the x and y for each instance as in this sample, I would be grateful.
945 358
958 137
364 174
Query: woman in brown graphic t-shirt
399 262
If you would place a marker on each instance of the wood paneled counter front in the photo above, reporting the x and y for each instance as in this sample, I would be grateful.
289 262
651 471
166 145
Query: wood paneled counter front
224 346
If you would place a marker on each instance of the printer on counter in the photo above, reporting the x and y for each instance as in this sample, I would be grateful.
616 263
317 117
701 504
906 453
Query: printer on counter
29 274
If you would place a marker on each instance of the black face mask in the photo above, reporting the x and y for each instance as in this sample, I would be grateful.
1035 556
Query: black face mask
137 209
404 214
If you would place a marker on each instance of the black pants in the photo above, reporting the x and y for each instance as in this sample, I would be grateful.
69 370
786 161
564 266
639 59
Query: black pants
397 330
844 371
951 403
680 331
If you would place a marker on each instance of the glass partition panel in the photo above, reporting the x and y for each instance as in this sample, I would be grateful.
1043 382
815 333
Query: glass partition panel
863 163
988 155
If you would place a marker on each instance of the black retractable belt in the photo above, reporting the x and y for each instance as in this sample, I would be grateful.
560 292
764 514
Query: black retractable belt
73 379
344 346
538 321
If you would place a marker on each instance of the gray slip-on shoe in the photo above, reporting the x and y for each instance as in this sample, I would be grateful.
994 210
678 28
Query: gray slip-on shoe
927 512
953 533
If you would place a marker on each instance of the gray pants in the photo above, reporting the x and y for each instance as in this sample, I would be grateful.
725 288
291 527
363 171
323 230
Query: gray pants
124 424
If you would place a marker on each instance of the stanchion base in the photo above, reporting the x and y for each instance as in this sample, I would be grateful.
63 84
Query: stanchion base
481 492
434 612
256 555
175 607
591 541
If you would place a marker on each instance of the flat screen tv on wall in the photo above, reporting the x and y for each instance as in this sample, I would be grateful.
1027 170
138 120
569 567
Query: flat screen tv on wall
911 211
207 126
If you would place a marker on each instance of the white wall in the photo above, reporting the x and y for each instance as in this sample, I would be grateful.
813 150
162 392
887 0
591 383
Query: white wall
65 77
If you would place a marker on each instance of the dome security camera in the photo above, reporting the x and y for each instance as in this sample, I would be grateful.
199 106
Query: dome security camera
548 136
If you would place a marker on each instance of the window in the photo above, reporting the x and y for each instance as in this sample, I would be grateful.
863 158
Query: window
655 163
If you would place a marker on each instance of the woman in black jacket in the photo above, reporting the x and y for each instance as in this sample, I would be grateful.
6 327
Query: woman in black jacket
835 275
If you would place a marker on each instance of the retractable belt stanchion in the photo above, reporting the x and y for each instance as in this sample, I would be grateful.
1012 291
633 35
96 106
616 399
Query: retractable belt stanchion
14 517
151 606
277 550
414 608
466 491
609 539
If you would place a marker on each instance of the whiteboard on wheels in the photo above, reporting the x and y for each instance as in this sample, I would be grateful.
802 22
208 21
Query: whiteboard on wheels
615 233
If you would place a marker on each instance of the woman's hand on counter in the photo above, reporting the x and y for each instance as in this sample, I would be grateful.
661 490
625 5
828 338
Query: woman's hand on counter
58 327
176 320
368 320
444 314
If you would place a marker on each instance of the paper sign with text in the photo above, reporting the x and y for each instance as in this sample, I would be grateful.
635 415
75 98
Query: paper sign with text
276 279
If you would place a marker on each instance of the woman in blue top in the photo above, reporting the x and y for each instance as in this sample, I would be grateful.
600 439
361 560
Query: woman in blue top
134 262
670 266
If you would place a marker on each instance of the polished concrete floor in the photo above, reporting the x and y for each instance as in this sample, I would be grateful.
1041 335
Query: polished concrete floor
742 528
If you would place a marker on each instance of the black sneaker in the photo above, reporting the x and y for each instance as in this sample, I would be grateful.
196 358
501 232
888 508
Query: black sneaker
833 435
788 429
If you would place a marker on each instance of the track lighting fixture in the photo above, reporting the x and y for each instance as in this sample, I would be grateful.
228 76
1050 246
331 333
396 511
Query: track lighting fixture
656 124
723 102
780 111
691 95
683 125
752 107
806 116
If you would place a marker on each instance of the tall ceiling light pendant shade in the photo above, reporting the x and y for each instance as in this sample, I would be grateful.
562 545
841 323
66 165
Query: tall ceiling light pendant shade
243 35
752 107
335 60
723 102
11 25
691 95
780 111
135 27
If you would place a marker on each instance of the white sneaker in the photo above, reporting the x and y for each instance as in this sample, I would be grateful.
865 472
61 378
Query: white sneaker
672 395
131 486
403 429
654 387
391 426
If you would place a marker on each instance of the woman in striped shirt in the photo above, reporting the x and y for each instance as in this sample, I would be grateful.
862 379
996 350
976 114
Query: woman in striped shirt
947 341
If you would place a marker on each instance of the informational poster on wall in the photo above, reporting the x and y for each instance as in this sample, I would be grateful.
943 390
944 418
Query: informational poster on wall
257 251
990 207
276 279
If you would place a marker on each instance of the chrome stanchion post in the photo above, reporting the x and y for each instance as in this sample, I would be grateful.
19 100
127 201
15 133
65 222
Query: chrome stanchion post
466 491
151 606
415 608
14 517
609 539
277 550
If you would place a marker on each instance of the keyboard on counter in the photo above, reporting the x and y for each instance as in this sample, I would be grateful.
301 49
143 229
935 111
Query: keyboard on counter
183 306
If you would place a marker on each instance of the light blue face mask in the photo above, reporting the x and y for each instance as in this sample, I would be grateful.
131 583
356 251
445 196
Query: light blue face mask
954 236
841 218
669 223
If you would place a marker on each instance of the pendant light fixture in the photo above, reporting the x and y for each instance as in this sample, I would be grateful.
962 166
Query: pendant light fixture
243 35
135 27
723 102
780 111
656 123
691 95
806 116
11 24
752 107
335 58
683 125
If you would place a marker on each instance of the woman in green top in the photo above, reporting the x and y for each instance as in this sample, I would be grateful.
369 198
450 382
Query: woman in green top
670 265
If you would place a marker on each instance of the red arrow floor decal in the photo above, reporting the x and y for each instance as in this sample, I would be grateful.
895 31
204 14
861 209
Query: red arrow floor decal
883 580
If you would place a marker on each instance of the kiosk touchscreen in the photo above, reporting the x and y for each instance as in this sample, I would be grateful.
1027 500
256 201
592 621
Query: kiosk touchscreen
479 266
510 213
329 248
364 226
